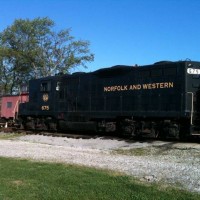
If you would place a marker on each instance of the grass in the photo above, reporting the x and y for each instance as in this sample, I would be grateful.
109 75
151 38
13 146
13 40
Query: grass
134 151
26 180
156 151
8 136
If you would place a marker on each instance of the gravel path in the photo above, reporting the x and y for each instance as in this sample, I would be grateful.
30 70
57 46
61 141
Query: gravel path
176 164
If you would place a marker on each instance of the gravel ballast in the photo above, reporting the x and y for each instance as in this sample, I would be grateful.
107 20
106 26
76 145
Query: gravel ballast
171 163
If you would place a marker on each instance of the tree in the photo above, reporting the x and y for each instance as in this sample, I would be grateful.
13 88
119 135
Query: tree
31 49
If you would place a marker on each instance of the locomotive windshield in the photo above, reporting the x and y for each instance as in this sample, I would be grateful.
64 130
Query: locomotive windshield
45 86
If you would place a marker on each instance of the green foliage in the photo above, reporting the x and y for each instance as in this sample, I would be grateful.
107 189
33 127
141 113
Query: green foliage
9 136
20 179
133 152
31 49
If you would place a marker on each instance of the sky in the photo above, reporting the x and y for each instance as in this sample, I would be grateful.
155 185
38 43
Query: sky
121 32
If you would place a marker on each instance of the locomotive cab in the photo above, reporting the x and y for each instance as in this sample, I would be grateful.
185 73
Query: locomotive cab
39 112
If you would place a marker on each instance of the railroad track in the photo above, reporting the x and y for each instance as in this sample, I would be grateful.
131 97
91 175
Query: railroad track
79 135
75 135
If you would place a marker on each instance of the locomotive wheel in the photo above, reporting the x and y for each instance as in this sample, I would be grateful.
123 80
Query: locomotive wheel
30 125
52 126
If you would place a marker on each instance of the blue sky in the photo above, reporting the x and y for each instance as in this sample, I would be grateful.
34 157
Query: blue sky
124 32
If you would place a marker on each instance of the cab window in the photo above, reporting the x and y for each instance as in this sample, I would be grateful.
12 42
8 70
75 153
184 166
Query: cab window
45 87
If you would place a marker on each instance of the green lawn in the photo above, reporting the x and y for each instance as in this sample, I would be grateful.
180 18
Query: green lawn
8 136
26 180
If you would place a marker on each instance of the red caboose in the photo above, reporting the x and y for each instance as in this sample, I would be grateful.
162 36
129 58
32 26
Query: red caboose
10 104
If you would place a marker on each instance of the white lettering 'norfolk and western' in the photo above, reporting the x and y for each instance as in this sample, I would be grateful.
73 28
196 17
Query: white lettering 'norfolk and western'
145 86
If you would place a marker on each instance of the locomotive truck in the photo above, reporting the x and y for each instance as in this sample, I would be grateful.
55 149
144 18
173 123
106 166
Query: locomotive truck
161 99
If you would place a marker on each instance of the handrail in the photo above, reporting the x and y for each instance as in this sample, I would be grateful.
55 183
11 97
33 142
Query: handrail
192 107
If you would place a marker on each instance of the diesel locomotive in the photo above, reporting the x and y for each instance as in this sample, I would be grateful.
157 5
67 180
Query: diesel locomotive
162 100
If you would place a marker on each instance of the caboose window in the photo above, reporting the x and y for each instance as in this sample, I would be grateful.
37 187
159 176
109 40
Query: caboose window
9 104
45 87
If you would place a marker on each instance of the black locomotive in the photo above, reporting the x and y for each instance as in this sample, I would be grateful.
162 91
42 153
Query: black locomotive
162 100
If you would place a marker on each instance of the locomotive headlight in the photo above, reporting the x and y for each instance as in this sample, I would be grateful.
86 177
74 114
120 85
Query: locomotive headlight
45 97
